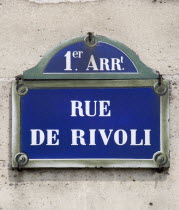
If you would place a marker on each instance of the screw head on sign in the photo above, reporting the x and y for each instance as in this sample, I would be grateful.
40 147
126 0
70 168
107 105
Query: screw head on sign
22 89
21 159
160 158
90 40
160 89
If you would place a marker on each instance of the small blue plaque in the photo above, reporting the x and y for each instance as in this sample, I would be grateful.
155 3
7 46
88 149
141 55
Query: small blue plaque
79 58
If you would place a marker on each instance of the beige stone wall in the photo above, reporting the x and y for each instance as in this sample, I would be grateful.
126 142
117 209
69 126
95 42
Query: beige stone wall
27 31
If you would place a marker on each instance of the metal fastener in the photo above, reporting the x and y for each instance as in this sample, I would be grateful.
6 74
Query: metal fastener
90 40
160 88
21 159
160 158
22 89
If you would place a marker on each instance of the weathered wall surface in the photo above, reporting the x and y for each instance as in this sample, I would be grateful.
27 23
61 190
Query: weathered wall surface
28 30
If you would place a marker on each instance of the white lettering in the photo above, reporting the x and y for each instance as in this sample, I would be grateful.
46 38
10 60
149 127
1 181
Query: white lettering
147 137
92 64
134 139
105 138
115 62
37 137
124 137
104 64
104 112
87 108
78 134
68 61
76 105
52 137
92 136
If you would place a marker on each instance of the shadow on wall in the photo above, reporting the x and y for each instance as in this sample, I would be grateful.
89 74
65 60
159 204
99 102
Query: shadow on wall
121 175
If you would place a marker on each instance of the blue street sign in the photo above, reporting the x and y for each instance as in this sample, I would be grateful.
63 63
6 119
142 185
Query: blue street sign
103 123
90 104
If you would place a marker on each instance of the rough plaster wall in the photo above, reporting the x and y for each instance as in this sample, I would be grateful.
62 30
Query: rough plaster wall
28 30
58 1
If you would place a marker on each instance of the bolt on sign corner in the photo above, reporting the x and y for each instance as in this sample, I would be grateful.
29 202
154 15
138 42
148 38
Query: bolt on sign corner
90 102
